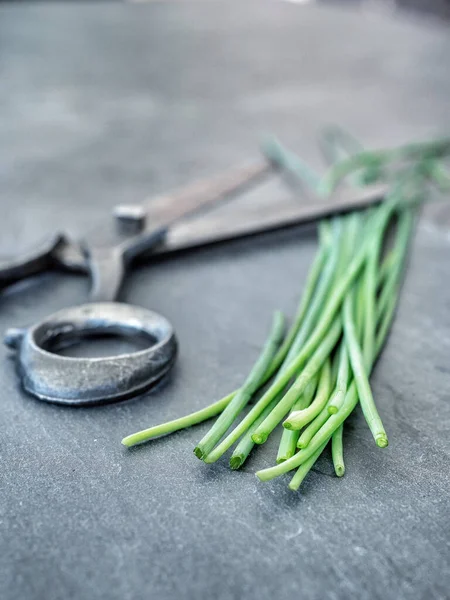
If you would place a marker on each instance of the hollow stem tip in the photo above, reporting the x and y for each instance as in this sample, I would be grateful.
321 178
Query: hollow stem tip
236 462
199 453
339 470
260 438
381 441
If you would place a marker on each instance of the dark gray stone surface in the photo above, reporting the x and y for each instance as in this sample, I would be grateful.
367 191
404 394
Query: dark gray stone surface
100 105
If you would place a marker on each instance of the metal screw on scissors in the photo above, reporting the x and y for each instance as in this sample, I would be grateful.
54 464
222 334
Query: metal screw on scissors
88 381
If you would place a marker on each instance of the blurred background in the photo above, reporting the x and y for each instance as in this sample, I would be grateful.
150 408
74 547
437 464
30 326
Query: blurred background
436 8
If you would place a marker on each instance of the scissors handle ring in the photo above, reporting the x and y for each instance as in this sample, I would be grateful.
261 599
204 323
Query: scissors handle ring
87 381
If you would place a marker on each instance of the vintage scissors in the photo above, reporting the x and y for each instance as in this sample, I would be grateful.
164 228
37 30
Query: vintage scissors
87 381
155 227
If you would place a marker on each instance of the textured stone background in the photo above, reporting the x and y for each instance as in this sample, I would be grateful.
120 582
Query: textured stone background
105 104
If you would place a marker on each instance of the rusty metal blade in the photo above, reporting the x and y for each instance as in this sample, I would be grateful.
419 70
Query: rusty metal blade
211 229
164 210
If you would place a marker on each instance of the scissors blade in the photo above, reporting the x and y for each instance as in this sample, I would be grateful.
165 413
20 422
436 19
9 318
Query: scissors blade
213 229
165 210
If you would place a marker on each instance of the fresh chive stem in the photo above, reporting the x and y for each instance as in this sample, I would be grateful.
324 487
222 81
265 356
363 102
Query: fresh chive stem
331 422
399 252
241 399
353 226
301 417
310 287
310 431
388 289
316 304
327 429
288 442
410 152
369 291
440 176
305 468
385 322
288 445
338 395
337 451
320 438
320 371
279 385
298 387
325 324
360 369
246 444
386 267
187 421
337 144
288 161
217 407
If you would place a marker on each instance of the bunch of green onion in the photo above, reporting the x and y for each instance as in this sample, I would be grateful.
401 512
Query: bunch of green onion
312 378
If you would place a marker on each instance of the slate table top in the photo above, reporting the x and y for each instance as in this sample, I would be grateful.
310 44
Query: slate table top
104 104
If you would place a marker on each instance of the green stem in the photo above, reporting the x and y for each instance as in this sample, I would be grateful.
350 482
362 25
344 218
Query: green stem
246 444
337 144
330 424
313 428
316 303
333 422
171 426
389 295
322 328
377 225
369 290
289 439
440 176
399 253
245 393
338 396
388 289
360 369
367 296
299 418
288 442
288 445
337 451
385 323
217 407
352 234
370 159
310 286
278 386
305 468
321 437
298 387
385 268
282 158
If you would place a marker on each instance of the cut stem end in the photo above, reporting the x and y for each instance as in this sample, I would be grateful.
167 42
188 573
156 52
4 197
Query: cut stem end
381 441
339 470
198 453
260 438
236 462
288 425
